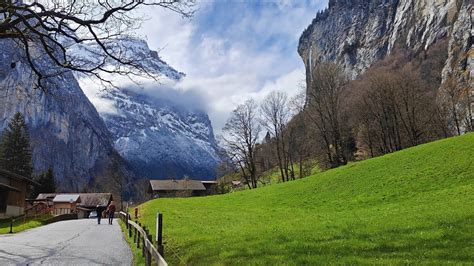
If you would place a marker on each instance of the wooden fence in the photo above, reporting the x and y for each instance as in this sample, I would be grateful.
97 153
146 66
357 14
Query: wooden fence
54 219
142 238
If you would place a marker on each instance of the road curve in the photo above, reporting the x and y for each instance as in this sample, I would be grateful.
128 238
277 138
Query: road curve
76 242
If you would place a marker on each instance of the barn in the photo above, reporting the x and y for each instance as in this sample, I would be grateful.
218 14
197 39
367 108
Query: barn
176 188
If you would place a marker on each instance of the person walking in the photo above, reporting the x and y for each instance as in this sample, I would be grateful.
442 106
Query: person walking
99 209
111 211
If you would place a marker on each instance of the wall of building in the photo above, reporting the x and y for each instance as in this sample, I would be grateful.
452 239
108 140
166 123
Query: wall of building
64 208
17 198
15 202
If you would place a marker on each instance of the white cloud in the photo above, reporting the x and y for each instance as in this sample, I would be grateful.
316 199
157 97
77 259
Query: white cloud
89 87
243 54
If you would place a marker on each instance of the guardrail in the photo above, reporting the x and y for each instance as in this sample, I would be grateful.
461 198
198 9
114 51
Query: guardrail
142 238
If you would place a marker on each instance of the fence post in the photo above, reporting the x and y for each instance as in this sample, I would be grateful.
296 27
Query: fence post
11 225
125 220
159 233
143 243
129 226
147 250
138 236
134 234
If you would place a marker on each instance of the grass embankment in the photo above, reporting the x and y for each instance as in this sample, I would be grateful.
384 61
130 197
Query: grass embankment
138 259
413 206
22 224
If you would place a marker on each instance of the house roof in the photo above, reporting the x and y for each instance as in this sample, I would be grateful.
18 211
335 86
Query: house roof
67 198
9 174
8 187
183 184
209 182
88 200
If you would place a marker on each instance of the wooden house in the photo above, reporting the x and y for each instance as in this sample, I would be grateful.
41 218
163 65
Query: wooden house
66 203
89 201
176 188
13 191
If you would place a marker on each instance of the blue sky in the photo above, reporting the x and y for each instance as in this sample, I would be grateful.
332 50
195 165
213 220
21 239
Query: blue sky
232 50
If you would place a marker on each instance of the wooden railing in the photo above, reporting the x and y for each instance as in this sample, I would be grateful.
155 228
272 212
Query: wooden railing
142 238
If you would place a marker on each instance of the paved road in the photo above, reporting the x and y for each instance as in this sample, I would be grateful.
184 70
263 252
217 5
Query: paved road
77 242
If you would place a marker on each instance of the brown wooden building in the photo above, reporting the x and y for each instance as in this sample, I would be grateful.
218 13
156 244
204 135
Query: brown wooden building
13 191
88 201
66 203
176 188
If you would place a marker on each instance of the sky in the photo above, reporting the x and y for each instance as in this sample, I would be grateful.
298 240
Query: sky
232 50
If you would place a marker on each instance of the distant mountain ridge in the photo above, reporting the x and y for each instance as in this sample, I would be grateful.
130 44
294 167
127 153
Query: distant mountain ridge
86 153
66 131
159 138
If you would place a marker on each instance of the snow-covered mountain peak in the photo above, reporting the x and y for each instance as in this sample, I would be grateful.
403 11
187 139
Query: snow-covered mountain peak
159 138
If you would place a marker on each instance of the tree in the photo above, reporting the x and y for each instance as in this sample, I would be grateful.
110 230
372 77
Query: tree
44 30
455 101
275 115
16 156
394 107
47 183
240 135
324 108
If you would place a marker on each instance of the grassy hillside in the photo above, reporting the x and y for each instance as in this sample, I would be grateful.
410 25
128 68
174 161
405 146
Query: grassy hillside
412 206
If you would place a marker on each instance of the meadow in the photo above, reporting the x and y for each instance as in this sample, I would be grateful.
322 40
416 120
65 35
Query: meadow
413 206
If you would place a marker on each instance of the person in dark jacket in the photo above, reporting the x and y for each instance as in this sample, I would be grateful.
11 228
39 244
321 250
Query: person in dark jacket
99 209
111 210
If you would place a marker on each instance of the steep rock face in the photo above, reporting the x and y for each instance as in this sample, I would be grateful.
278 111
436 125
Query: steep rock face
356 33
66 131
160 139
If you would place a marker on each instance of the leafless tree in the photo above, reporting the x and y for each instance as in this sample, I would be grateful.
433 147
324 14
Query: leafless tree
45 30
394 108
275 113
324 104
240 136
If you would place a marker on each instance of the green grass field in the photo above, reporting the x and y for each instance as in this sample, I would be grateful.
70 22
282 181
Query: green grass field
414 206
21 225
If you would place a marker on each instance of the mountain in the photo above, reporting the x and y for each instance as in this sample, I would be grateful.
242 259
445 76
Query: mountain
357 33
66 131
157 136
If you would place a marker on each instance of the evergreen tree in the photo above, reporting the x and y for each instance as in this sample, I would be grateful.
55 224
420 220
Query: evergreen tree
16 152
47 183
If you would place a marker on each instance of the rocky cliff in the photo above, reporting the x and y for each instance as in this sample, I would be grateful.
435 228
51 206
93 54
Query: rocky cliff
357 33
66 131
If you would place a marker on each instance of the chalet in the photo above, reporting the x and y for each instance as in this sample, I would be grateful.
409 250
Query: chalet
87 204
176 188
13 191
66 203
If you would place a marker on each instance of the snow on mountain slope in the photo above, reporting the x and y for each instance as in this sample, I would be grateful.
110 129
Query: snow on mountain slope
159 138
